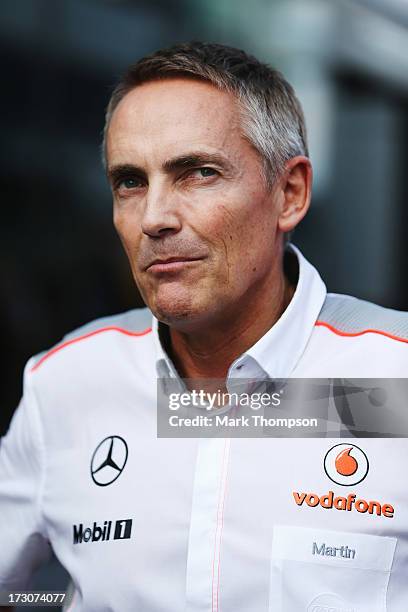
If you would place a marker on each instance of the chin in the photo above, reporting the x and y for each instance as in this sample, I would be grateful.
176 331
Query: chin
179 309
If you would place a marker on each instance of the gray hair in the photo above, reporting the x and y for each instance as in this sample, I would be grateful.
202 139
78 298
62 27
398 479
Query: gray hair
272 117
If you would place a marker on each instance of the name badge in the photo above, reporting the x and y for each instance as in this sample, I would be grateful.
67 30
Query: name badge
324 570
340 548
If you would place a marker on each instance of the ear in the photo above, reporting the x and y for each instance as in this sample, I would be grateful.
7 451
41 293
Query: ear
296 185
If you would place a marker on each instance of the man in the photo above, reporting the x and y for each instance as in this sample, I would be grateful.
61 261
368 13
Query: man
206 155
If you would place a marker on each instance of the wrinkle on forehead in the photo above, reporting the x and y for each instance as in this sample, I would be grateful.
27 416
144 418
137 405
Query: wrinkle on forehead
160 119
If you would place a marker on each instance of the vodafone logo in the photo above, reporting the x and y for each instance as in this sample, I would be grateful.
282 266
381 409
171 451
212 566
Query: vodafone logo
346 464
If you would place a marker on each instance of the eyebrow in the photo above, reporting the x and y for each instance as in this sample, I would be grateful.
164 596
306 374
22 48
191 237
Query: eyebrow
189 160
120 170
194 159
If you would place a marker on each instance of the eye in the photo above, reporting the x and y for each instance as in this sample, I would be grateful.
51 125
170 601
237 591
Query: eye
207 171
129 183
204 172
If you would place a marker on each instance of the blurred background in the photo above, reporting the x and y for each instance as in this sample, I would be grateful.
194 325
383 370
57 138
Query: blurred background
61 263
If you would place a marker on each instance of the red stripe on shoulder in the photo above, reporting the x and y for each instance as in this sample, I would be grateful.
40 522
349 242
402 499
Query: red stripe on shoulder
360 333
58 348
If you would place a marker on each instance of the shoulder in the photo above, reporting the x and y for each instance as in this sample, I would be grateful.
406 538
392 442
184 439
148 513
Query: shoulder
351 317
136 321
111 330
356 339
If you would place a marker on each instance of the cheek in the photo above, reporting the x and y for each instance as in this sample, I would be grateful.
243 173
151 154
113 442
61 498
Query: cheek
128 231
245 231
119 224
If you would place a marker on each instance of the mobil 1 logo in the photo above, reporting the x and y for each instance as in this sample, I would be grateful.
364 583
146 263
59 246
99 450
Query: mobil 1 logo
109 530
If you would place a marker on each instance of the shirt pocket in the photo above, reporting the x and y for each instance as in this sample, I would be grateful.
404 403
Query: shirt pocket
319 570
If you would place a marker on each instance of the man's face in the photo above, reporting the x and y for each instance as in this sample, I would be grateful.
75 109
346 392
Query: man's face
188 187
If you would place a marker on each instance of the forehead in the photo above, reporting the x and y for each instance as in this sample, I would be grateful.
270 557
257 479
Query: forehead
164 117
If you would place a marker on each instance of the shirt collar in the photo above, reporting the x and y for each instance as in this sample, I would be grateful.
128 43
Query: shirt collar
164 365
280 349
276 354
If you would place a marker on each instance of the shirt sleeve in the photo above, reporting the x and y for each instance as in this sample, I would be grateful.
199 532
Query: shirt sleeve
23 541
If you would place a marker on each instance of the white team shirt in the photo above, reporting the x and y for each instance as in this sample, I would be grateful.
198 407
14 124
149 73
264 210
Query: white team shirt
152 524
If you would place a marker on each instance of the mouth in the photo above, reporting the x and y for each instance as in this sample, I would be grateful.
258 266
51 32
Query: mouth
172 264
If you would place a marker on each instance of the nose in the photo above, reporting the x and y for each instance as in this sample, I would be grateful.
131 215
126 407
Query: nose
161 215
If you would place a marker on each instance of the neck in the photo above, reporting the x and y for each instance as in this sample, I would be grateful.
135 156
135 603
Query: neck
209 352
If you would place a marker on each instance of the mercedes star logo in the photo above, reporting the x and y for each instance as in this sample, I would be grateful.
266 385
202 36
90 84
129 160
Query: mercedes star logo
109 460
